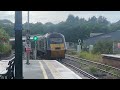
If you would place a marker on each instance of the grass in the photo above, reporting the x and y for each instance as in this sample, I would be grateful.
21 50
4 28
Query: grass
93 70
90 56
71 52
86 55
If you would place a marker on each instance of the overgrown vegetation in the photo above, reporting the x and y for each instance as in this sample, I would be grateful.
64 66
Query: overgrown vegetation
87 55
90 56
5 47
103 47
93 70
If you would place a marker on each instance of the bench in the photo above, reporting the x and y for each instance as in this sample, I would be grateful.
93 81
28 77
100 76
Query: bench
9 72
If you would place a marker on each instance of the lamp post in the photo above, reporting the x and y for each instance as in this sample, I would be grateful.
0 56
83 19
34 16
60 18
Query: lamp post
28 44
18 45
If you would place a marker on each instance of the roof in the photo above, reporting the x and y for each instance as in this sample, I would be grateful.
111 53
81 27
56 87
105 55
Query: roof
94 34
109 36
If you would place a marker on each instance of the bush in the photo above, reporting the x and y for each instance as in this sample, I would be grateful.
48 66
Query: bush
90 56
103 47
5 48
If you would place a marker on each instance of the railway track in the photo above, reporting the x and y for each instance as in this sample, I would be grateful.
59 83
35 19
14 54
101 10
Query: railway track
66 62
9 57
105 71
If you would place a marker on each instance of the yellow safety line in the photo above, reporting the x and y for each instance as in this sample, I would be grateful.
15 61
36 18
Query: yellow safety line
54 72
43 71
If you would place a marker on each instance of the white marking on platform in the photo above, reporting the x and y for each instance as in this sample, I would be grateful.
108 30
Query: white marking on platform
43 71
53 70
59 71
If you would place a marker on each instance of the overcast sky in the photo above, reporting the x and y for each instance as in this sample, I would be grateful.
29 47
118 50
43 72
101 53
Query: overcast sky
58 16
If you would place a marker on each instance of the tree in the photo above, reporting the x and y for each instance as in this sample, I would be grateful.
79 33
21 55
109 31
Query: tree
70 19
4 37
73 28
5 46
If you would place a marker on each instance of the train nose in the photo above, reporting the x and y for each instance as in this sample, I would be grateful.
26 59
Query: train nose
57 53
57 48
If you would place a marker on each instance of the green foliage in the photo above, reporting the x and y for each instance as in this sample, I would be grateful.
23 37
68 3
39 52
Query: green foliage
8 26
103 47
90 56
4 37
93 70
73 28
5 48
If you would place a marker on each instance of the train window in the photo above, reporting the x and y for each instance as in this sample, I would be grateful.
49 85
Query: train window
56 40
44 44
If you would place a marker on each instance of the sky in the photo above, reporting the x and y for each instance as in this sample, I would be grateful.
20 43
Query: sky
58 16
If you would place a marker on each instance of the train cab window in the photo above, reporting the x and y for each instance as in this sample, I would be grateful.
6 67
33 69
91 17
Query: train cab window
56 40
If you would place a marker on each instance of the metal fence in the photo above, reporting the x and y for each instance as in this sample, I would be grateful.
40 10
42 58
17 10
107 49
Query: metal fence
73 46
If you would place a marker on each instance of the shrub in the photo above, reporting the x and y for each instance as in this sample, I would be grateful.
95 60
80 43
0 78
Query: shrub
5 48
104 47
90 56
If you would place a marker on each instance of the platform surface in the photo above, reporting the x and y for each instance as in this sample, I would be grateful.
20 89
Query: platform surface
3 65
47 69
43 69
111 55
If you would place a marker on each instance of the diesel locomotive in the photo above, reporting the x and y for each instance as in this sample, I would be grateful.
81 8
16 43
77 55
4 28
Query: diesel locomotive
51 46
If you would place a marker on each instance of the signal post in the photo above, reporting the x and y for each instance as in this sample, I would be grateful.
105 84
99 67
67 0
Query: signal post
35 38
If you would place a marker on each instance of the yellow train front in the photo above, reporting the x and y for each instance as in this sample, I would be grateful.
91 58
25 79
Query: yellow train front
52 46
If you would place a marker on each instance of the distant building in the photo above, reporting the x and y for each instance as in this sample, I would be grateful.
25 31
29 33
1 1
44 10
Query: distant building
95 34
114 36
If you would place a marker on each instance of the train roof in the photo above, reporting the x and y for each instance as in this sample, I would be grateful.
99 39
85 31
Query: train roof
54 33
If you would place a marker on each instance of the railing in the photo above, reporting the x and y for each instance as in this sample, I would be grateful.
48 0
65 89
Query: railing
9 72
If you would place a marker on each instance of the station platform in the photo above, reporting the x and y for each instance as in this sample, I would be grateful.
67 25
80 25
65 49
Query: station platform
47 69
111 59
111 55
43 69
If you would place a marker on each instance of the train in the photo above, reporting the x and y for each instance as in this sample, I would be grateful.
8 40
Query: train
51 46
